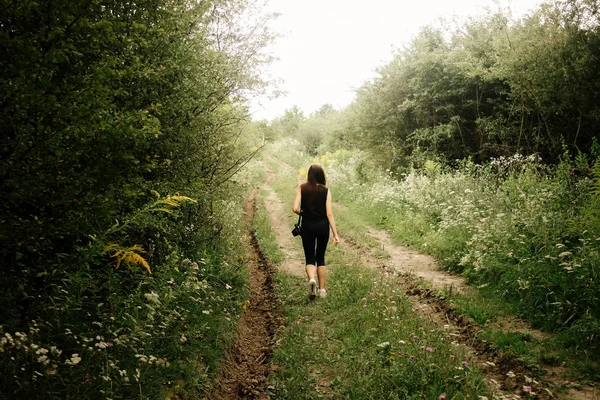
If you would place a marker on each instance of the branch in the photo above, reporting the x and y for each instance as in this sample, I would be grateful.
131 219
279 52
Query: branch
239 166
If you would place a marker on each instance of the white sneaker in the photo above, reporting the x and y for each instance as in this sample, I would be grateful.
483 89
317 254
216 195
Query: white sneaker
322 293
312 289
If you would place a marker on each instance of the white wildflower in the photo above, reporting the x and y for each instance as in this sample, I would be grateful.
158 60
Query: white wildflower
75 359
153 297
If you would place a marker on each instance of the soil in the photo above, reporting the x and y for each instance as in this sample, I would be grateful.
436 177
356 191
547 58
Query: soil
248 365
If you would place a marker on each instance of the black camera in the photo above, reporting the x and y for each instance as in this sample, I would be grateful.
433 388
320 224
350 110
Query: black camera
297 230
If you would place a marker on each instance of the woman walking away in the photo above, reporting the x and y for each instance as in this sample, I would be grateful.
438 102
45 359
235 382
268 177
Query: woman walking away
313 200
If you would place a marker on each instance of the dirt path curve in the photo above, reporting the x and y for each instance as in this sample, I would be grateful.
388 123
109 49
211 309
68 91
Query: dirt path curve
406 260
248 365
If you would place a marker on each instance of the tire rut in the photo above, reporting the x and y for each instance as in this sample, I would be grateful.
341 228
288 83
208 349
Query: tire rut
248 364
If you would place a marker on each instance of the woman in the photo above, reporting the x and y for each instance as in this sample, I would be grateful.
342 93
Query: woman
313 200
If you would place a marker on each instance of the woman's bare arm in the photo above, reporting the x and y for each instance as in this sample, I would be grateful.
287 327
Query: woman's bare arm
329 209
297 200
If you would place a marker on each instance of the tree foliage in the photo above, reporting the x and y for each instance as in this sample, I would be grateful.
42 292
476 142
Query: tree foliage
492 87
104 105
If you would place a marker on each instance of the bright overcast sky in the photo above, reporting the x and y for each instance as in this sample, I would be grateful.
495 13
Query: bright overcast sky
330 47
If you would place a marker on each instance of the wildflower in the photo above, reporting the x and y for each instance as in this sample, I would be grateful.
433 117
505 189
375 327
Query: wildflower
415 337
364 306
442 397
452 357
527 389
9 338
75 359
364 299
142 358
153 297
412 357
429 349
384 344
465 363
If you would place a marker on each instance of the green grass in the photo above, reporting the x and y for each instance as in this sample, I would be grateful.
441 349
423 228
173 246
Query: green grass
346 347
354 230
264 233
482 304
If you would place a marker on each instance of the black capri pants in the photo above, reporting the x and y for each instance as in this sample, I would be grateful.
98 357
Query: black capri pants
315 235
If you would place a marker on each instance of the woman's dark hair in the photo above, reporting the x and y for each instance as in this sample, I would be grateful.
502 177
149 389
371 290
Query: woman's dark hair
315 176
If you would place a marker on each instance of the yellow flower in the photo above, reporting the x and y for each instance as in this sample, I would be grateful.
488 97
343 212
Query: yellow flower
128 256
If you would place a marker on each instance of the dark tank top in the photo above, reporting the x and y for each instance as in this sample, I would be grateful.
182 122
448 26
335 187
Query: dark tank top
313 211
